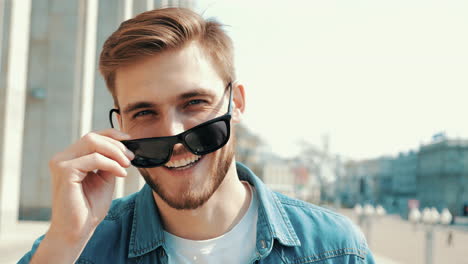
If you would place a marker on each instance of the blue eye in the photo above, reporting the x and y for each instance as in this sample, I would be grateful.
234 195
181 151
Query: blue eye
196 101
143 113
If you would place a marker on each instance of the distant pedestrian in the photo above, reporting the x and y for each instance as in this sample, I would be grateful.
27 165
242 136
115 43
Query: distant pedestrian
450 238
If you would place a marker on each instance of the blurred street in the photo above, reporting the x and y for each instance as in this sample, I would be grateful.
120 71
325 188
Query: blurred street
392 237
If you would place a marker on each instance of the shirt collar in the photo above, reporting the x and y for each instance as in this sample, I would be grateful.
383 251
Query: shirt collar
271 212
147 231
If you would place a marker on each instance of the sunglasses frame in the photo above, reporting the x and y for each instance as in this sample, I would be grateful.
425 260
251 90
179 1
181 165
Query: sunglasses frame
180 138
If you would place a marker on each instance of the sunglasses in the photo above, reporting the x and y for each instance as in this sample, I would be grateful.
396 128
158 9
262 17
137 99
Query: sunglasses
202 139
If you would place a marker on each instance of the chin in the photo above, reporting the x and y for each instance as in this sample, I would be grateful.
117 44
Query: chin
189 188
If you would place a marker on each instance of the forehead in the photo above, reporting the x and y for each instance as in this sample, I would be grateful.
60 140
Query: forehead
167 75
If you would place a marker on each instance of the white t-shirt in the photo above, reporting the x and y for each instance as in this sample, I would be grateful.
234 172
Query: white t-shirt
236 246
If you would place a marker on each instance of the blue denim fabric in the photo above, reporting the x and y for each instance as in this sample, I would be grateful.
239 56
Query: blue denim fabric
288 231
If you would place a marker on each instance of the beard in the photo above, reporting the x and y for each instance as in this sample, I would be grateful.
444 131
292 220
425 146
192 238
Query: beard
191 199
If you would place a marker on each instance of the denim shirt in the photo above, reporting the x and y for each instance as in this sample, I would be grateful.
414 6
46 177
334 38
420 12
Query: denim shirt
288 231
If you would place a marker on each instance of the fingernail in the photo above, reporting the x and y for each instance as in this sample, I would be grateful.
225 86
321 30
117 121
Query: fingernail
125 135
129 154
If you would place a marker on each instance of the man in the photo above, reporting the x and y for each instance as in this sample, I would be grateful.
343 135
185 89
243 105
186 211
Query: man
172 78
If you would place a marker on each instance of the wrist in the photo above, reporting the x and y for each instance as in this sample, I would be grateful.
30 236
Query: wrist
60 247
69 236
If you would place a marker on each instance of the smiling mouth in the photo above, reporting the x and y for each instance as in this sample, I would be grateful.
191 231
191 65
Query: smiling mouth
183 163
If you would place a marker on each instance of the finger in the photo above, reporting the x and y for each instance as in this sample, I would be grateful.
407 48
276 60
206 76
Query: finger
86 145
96 161
109 148
93 142
114 133
121 146
106 176
115 136
99 178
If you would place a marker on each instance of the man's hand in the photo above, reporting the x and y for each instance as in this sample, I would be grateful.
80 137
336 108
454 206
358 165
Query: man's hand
83 180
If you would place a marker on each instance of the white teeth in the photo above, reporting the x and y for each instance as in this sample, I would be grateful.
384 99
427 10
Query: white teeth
182 162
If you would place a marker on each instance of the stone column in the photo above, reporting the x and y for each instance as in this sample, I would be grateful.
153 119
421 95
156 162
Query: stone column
58 100
5 8
86 59
13 103
109 18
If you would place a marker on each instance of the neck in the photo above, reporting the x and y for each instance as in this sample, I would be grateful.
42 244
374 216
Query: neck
217 216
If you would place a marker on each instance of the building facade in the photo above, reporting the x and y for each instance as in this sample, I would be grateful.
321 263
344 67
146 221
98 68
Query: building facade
435 176
291 177
404 170
442 175
364 181
278 174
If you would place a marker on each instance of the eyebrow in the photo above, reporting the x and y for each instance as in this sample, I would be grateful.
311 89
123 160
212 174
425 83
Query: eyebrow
138 105
195 93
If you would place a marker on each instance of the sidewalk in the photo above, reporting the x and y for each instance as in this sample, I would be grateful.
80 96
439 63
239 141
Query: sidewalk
383 260
404 243
18 241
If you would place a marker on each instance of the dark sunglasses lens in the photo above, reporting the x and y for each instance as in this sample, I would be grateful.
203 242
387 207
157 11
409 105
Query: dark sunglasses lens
149 153
208 138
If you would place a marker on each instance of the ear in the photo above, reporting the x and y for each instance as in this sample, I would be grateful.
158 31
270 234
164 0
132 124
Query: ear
238 102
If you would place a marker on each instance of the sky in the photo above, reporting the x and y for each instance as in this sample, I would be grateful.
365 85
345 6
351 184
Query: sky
376 77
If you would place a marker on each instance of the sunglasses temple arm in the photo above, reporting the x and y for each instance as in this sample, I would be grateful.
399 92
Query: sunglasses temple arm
111 112
110 118
230 98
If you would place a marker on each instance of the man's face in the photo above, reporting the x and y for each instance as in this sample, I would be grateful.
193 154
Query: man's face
165 95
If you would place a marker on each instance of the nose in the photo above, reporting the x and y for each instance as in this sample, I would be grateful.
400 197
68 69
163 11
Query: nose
172 125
